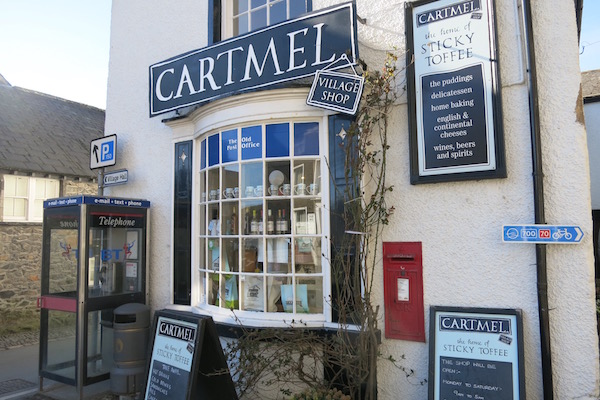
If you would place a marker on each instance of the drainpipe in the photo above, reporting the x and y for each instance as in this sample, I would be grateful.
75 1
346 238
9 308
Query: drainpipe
538 196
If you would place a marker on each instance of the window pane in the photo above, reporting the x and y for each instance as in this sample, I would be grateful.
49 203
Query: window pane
314 294
54 190
213 150
203 154
277 137
274 284
230 292
22 189
19 208
306 139
258 3
38 209
278 178
240 25
252 256
230 255
307 255
307 216
240 6
229 146
40 188
252 180
253 293
279 255
10 185
251 142
258 18
277 12
297 7
213 289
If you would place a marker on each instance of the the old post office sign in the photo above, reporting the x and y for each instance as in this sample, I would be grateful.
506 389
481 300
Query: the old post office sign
455 116
336 91
278 53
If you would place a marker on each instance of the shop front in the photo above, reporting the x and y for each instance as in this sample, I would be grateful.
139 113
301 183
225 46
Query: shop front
246 180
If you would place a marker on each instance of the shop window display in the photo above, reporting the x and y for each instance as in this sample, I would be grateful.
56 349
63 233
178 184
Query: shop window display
261 219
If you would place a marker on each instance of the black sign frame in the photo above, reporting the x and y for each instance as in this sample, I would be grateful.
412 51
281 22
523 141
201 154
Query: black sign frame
206 378
441 157
464 367
232 66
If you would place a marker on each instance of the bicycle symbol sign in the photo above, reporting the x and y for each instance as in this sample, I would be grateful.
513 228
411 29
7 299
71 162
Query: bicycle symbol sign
559 234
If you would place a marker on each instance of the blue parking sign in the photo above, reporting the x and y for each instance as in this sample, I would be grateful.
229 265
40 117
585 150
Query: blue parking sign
103 152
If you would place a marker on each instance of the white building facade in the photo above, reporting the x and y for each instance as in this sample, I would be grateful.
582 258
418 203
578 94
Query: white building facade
189 161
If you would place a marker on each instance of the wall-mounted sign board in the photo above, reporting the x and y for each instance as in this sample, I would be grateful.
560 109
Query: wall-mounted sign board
115 177
187 361
336 91
454 98
476 353
103 152
278 53
553 234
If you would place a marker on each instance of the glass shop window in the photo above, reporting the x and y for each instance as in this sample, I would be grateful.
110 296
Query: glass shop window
242 16
261 219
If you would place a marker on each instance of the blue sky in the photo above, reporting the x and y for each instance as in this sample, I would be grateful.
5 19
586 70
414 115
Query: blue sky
61 47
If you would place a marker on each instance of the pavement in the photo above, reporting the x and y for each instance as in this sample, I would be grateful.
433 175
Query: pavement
19 378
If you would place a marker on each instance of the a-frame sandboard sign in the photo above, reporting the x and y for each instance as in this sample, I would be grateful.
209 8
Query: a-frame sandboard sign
187 360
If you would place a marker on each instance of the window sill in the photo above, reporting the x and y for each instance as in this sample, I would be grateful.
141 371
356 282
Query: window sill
228 327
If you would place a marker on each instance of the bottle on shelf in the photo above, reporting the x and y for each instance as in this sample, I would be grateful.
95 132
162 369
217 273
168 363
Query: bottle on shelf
234 222
278 222
284 222
270 223
247 223
254 224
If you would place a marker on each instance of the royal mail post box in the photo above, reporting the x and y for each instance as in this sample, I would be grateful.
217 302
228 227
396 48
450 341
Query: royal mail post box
403 291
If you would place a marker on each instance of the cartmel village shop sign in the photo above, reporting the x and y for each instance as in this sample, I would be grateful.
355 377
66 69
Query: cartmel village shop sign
286 51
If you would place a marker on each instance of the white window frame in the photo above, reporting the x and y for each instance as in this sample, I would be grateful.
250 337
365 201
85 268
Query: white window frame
271 107
227 16
30 198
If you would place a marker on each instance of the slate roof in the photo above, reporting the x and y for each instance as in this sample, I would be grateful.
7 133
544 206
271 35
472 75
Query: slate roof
590 83
44 134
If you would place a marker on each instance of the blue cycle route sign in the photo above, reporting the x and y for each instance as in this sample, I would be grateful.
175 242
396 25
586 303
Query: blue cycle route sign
555 234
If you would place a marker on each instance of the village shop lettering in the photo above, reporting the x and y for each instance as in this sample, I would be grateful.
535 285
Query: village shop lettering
289 50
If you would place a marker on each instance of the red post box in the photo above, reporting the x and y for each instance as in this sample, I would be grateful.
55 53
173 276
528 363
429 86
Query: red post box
403 291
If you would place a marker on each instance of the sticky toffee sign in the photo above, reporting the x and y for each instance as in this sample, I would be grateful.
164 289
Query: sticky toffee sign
282 52
187 361
455 116
476 353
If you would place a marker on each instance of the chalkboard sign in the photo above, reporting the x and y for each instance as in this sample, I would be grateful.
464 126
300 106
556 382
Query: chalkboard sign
187 359
476 353
454 104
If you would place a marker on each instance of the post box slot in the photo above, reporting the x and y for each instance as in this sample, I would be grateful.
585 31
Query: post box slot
401 257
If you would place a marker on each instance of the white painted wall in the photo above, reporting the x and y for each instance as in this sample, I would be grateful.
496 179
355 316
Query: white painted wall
459 223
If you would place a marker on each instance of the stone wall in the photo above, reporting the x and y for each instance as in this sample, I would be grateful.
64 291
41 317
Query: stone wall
20 265
21 256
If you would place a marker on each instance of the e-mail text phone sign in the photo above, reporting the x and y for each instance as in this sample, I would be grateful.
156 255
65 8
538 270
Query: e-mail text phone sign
455 122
